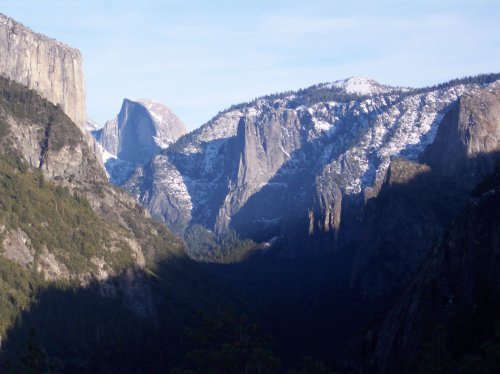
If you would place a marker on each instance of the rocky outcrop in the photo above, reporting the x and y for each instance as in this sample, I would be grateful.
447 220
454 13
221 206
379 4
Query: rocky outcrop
17 246
260 149
45 137
45 65
50 68
468 139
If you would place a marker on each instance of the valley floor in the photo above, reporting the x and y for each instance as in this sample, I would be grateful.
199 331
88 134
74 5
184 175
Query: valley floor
305 304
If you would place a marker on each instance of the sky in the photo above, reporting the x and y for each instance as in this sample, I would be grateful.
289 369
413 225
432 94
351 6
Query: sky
199 57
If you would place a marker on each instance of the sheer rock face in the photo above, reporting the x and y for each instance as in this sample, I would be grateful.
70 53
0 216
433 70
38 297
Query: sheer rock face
45 65
35 130
138 133
259 150
468 139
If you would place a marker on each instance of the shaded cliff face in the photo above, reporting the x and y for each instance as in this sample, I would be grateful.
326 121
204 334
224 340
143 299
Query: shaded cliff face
418 201
45 65
296 166
140 131
400 225
448 311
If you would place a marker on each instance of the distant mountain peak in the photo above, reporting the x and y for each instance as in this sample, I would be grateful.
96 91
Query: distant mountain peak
360 85
140 115
92 125
148 101
142 128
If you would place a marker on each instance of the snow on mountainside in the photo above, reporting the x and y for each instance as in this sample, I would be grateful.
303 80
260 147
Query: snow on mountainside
168 126
292 162
360 86
91 125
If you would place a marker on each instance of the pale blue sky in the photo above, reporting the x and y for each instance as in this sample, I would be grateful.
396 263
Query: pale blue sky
199 57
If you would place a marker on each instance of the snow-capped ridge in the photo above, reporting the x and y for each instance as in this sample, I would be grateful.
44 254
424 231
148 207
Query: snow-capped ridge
92 125
360 86
281 148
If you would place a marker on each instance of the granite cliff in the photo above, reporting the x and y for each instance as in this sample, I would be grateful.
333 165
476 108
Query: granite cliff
45 65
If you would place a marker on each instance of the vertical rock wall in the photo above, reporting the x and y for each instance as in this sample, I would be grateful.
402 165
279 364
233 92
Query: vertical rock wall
45 65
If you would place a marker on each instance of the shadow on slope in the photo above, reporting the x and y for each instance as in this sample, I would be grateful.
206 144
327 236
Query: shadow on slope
446 320
400 225
134 322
